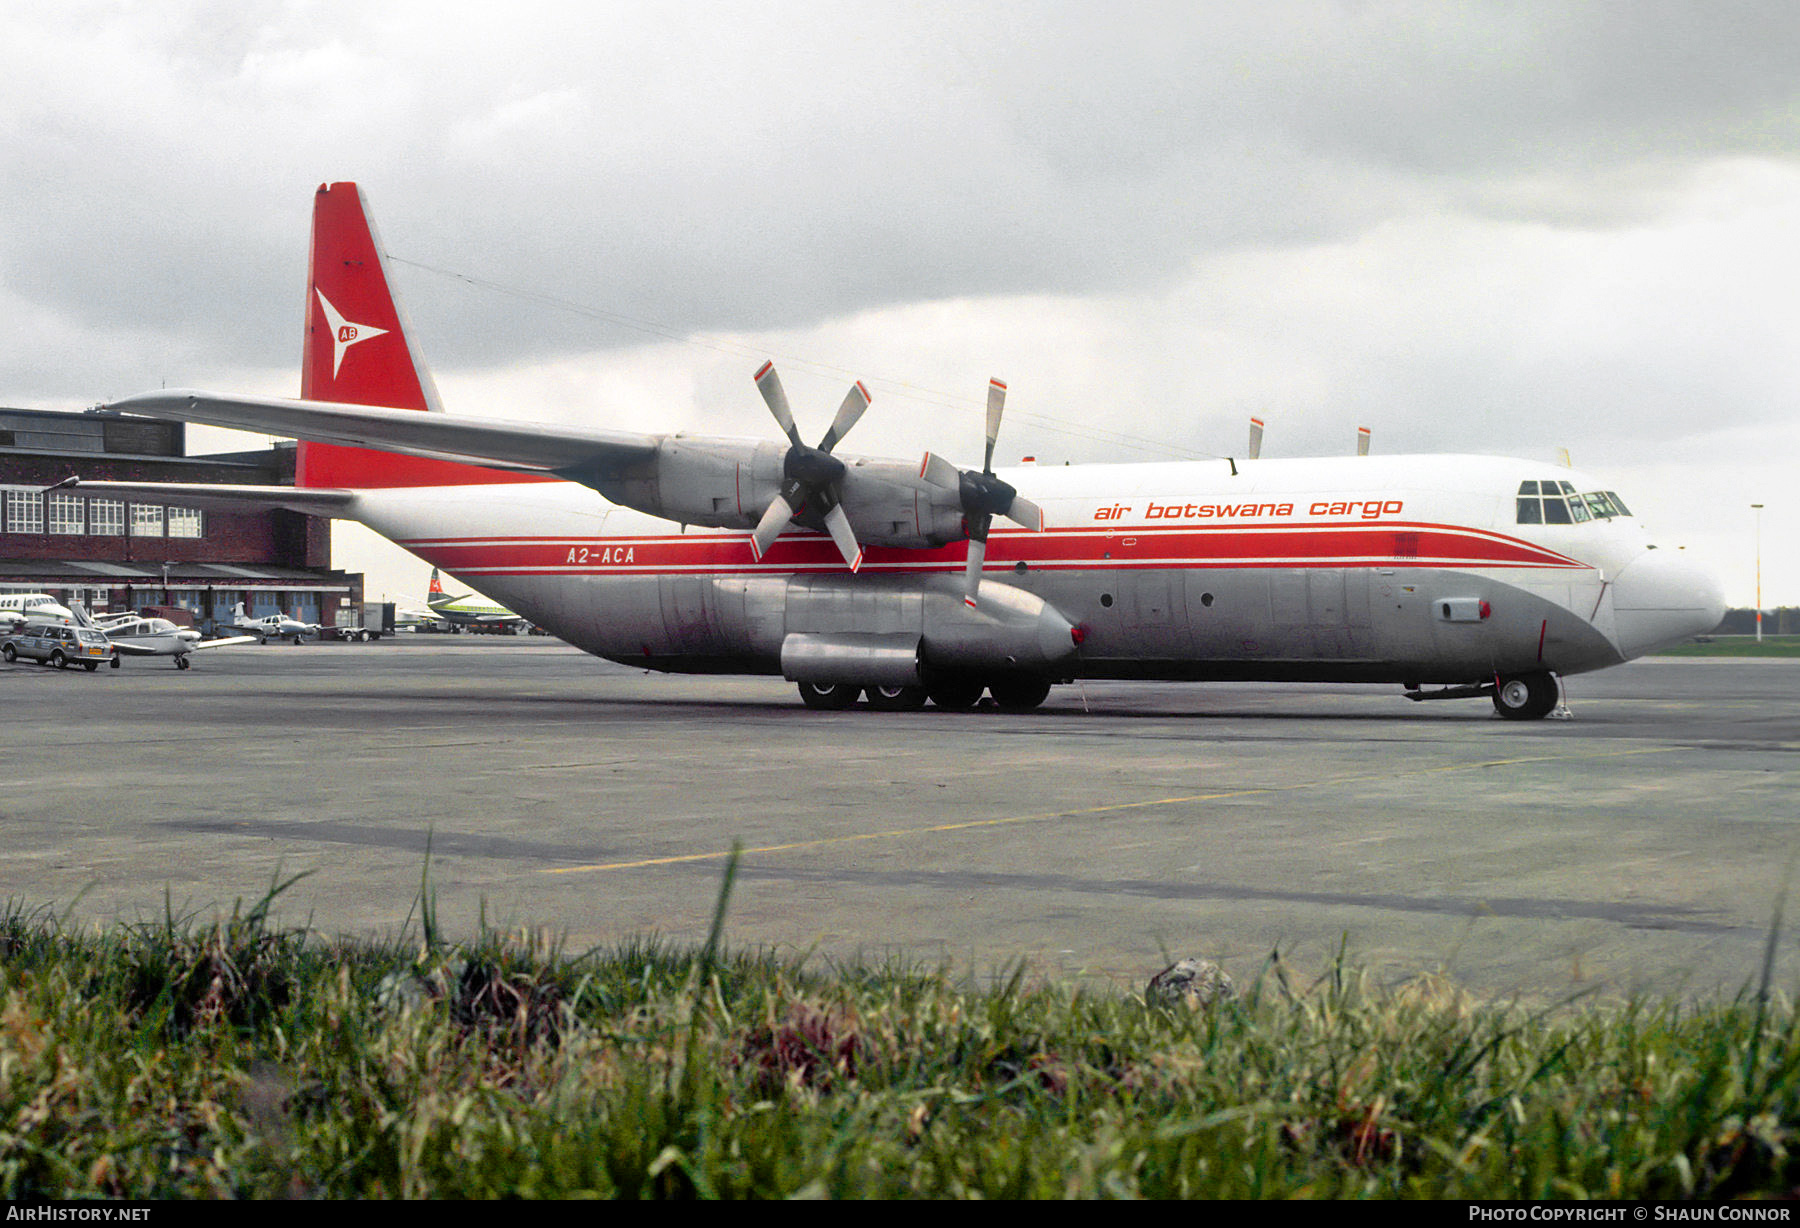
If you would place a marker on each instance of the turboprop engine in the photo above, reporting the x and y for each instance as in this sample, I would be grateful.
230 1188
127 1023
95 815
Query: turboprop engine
729 483
764 487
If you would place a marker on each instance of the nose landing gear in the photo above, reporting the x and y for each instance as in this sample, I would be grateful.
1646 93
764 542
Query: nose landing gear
1524 697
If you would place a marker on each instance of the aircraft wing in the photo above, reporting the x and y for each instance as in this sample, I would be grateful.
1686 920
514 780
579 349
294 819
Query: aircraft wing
136 650
227 642
489 442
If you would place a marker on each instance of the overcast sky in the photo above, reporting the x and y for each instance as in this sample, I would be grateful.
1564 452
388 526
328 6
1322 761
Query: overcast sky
1504 227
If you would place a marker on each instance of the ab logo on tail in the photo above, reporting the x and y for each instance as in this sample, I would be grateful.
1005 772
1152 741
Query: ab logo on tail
344 333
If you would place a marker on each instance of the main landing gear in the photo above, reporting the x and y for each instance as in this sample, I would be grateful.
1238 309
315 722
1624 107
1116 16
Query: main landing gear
951 692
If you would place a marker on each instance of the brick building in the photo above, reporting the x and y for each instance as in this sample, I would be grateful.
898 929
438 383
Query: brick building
117 554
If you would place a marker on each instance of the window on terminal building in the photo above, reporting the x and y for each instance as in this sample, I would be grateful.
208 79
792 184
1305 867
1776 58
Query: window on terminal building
68 514
24 511
184 522
146 520
106 517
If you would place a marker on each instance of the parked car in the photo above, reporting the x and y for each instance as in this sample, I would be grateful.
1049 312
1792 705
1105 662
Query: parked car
60 645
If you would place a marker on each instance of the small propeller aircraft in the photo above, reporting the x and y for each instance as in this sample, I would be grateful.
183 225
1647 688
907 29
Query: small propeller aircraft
1449 576
276 626
136 636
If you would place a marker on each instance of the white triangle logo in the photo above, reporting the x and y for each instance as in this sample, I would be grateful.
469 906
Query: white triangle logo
343 333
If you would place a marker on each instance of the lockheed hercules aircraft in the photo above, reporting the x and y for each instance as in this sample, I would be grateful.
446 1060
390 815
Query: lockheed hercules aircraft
911 581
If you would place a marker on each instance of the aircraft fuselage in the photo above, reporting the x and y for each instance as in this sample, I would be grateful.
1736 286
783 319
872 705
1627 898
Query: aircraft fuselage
1390 569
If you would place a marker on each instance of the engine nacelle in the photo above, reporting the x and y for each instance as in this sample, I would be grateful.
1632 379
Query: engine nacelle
890 505
719 483
729 484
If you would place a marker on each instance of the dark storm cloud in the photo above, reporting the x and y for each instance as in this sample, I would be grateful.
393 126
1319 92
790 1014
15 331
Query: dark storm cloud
711 167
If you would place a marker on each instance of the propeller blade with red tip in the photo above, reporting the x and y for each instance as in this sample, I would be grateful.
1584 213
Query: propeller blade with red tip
972 569
770 527
939 472
855 402
838 524
1025 514
769 384
995 407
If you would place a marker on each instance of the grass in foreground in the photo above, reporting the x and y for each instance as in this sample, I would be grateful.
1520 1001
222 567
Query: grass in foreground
235 1059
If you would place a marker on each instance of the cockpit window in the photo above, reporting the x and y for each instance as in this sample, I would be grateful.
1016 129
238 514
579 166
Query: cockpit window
1557 502
1542 503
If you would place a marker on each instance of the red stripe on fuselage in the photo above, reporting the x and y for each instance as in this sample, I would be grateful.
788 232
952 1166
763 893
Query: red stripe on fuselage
1436 546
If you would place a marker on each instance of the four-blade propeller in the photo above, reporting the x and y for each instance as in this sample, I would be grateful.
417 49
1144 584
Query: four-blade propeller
810 477
983 496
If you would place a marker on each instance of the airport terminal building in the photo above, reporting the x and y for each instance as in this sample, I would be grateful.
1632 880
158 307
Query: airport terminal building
116 554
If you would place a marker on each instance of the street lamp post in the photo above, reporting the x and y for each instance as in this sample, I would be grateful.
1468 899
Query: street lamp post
1757 508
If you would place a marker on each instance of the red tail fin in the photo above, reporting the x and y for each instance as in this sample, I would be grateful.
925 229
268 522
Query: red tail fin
358 350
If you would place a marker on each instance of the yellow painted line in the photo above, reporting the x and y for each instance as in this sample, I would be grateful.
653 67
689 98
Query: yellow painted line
1149 803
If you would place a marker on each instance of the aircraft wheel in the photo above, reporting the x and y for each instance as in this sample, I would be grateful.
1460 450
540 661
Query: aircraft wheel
90 666
9 653
957 693
1525 697
58 660
1019 692
182 662
831 697
116 660
897 698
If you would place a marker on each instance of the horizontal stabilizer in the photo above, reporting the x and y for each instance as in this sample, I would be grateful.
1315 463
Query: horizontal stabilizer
215 496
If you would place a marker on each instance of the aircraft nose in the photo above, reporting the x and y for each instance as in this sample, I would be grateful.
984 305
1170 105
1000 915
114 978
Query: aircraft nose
1661 599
